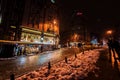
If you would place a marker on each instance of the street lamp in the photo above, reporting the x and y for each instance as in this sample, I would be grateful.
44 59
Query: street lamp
54 22
42 37
109 32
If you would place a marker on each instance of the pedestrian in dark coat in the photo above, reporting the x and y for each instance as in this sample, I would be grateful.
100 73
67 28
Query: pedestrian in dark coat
110 45
41 48
116 47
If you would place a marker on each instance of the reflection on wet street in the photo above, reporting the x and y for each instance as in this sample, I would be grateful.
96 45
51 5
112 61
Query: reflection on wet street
24 64
114 61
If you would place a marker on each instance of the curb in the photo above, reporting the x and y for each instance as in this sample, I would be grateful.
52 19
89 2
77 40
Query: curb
2 59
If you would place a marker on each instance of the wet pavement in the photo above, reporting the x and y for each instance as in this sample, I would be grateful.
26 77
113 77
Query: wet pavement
108 67
24 64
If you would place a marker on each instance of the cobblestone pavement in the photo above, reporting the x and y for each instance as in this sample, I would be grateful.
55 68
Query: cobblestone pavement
23 64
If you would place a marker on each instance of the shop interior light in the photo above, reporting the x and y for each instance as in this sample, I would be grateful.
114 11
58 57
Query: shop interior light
13 26
29 30
38 32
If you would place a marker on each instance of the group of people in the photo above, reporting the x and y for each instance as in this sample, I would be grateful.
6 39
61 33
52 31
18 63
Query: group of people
114 46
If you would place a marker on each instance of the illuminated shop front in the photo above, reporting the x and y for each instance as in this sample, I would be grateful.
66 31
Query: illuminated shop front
30 35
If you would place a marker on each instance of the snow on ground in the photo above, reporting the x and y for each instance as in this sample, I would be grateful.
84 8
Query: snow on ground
74 69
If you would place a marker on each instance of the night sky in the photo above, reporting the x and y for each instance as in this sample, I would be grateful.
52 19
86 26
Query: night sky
100 14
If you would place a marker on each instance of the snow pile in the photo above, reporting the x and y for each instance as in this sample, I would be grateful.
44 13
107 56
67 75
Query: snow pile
75 68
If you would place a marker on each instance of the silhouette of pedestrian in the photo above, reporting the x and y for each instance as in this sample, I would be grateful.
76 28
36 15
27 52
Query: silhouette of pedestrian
79 45
110 47
116 47
41 48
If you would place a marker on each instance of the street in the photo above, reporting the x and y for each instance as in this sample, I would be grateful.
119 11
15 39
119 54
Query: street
24 64
92 65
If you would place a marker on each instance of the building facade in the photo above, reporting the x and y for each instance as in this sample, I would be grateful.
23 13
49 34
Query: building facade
29 21
42 18
11 12
32 24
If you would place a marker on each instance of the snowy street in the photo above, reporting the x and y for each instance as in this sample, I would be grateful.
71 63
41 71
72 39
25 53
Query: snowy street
74 69
63 64
23 64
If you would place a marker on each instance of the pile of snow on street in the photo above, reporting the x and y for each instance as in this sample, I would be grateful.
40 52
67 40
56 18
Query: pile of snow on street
75 68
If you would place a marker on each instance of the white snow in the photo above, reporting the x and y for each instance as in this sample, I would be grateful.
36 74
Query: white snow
75 69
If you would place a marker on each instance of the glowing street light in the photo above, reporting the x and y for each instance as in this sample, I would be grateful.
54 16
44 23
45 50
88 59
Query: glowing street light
54 21
109 32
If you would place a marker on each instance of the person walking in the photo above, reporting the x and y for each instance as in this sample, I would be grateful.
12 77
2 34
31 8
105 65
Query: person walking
110 44
110 48
41 48
116 46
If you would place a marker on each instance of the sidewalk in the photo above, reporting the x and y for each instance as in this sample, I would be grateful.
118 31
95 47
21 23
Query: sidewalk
107 70
23 64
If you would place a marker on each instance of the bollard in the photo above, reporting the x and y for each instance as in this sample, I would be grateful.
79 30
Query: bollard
49 65
75 55
66 59
12 77
83 51
88 49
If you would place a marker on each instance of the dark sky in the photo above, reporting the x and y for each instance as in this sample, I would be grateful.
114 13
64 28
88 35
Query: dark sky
99 13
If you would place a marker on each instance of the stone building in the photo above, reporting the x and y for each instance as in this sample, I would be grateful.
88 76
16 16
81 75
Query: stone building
29 20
